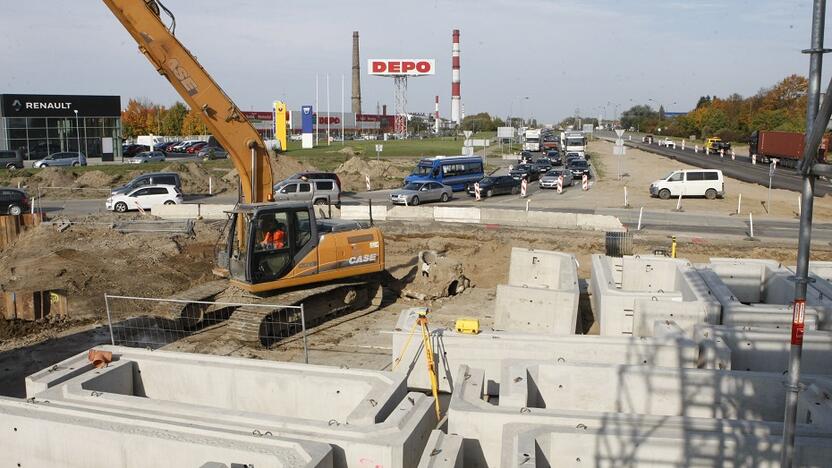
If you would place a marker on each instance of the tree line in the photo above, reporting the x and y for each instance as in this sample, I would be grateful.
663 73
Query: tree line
781 107
142 117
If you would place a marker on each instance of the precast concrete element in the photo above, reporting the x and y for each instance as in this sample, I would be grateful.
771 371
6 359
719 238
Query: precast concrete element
483 427
41 435
767 349
629 294
759 293
410 213
367 416
362 212
821 272
456 214
541 295
548 445
658 391
713 353
183 211
488 349
593 222
442 451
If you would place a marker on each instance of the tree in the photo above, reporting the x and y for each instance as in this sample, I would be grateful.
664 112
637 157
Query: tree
134 118
639 116
192 124
703 101
661 113
482 122
172 119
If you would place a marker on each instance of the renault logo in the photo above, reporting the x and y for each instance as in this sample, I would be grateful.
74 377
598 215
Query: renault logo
16 105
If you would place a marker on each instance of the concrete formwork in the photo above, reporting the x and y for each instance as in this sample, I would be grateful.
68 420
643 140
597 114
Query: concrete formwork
628 294
541 295
40 435
488 350
483 426
364 415
442 451
759 293
766 349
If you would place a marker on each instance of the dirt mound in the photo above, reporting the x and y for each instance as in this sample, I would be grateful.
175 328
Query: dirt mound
284 166
349 151
437 277
95 179
195 178
53 177
383 174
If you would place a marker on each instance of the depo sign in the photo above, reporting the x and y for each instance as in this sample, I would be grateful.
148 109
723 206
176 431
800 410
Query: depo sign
401 67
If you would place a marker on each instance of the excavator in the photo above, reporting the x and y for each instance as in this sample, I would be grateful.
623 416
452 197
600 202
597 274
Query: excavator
327 266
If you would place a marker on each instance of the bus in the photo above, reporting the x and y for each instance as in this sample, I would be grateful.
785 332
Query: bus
455 171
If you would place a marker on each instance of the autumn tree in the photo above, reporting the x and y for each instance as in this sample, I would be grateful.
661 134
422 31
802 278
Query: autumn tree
192 124
173 118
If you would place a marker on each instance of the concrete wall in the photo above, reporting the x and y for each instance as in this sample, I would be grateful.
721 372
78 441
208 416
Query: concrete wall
442 451
541 295
628 294
767 350
385 425
51 435
488 350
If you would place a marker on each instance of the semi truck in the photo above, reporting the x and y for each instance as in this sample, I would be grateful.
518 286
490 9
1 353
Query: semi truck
574 141
787 147
533 140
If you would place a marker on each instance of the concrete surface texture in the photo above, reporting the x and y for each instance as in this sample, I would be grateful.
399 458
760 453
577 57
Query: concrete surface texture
442 451
766 349
629 294
41 435
616 436
760 293
541 295
489 349
364 415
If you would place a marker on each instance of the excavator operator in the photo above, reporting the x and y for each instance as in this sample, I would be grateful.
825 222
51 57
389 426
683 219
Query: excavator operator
274 233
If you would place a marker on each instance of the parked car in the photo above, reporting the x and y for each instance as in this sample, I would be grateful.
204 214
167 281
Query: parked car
183 145
579 168
13 201
667 143
153 178
194 148
550 179
161 146
317 191
145 198
128 151
64 158
318 176
147 157
168 148
525 171
212 152
495 185
42 150
695 182
415 193
11 160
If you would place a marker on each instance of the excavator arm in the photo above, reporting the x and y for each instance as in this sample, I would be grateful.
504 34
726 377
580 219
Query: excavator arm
228 125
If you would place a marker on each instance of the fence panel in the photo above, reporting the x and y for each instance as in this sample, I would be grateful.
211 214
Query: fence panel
153 323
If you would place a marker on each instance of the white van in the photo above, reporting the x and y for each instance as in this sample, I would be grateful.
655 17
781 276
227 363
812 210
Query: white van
690 183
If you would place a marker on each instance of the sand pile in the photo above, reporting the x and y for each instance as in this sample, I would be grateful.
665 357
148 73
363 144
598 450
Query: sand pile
383 174
195 178
437 277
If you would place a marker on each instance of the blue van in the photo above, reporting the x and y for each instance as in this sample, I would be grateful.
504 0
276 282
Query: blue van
455 171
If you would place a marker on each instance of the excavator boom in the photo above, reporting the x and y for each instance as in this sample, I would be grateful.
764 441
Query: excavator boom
228 125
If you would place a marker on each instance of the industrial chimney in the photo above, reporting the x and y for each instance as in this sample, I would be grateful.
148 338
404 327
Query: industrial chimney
436 116
356 76
455 96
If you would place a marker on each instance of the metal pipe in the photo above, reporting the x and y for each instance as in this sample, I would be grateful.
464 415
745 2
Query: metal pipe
805 233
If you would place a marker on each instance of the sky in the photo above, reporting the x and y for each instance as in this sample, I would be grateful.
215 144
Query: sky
545 59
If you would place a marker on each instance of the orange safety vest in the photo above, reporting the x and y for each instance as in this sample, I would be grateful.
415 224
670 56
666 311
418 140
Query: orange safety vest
275 238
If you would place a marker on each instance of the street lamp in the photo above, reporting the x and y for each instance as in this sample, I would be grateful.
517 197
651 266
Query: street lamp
78 135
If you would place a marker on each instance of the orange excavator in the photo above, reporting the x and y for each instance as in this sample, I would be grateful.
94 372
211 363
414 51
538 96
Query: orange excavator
336 258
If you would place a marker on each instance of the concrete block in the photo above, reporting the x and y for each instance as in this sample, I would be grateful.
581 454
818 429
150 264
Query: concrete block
759 293
214 211
504 217
410 213
442 451
591 222
48 435
628 294
362 212
364 415
552 219
456 214
183 211
489 349
821 290
767 350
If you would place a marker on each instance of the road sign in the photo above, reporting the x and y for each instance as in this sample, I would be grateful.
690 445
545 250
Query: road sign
619 142
619 132
467 134
379 148
771 168
619 150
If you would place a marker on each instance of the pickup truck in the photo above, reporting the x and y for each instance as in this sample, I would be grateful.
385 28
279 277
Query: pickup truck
713 145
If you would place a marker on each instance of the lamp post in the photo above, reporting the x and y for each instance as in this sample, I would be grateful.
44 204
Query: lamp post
78 134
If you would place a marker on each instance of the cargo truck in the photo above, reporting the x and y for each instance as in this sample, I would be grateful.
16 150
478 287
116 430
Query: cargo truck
787 147
532 140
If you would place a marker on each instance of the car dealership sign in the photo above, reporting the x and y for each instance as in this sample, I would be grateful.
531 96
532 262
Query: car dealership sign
401 67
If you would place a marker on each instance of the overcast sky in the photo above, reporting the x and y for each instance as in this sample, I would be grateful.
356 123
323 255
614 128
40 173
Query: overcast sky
561 54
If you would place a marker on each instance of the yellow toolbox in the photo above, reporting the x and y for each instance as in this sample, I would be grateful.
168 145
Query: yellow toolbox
468 325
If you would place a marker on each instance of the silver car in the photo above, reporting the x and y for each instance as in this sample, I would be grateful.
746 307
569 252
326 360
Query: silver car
63 158
415 193
212 152
147 157
550 179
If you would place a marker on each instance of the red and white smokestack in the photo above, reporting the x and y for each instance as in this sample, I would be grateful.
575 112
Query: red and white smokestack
436 116
455 96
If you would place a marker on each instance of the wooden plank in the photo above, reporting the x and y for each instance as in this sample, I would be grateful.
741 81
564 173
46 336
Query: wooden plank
35 305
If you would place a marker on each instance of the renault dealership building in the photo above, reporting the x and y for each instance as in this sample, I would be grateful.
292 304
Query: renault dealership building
42 124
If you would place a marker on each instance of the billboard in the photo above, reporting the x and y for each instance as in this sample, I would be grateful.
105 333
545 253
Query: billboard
280 124
401 67
307 119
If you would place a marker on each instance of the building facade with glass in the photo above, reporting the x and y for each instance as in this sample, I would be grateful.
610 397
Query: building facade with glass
40 124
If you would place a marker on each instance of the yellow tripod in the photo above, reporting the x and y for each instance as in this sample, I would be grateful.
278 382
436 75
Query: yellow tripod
422 322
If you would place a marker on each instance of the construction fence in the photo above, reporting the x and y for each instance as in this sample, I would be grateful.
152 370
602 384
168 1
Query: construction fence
199 326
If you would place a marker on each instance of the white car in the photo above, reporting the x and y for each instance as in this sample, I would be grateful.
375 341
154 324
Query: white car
667 143
145 198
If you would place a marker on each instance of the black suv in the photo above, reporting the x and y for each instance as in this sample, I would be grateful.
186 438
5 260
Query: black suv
13 201
525 171
495 185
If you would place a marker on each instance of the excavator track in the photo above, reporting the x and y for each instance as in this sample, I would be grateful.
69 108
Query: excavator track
187 315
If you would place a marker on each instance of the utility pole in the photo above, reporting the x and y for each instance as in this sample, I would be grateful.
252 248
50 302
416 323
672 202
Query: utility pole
805 234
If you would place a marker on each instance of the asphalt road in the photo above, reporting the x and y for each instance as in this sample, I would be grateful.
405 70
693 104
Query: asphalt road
741 168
